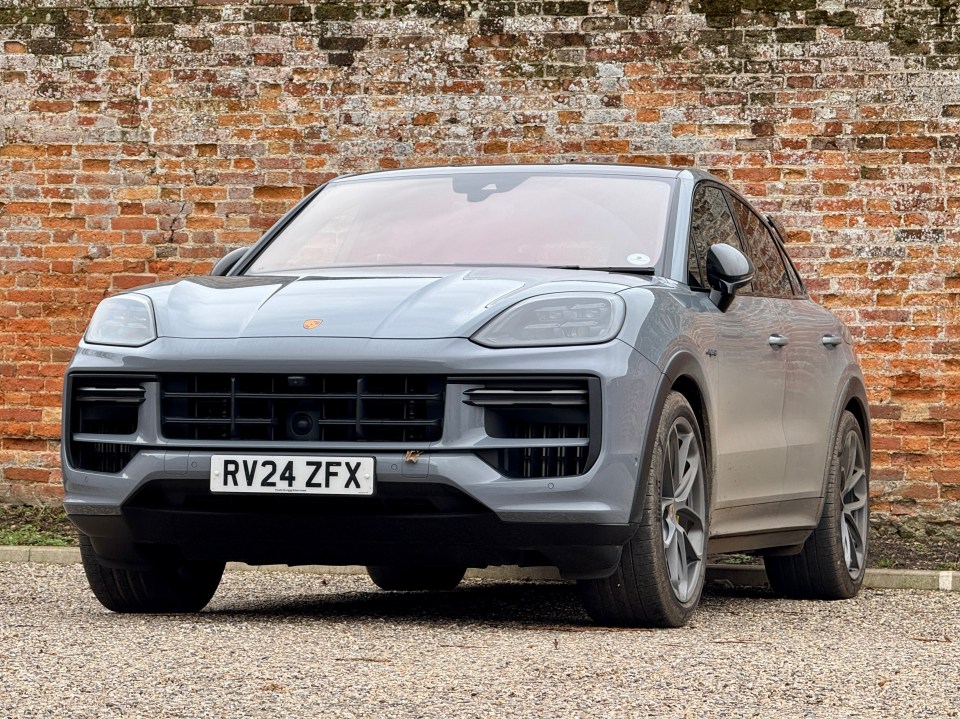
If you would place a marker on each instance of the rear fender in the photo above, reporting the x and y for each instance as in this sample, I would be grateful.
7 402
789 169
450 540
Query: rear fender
851 390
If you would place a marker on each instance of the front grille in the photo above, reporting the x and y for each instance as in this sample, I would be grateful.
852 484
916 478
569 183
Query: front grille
103 409
319 408
552 417
102 456
541 462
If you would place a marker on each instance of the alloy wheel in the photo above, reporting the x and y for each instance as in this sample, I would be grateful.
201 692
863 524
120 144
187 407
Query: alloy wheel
682 509
854 497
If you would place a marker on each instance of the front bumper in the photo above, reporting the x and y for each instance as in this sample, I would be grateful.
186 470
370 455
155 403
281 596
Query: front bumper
160 501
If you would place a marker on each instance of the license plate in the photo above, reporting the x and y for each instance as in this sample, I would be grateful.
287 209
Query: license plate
273 474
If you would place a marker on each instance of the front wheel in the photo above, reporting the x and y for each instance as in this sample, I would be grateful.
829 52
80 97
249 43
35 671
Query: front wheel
161 587
661 572
833 560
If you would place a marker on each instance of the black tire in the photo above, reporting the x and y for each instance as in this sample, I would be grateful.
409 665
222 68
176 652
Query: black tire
832 562
160 588
644 591
415 579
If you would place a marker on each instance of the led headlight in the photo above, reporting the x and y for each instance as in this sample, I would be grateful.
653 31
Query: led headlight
125 320
569 318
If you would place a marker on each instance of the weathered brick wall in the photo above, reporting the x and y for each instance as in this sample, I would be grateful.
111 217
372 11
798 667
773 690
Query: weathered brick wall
141 140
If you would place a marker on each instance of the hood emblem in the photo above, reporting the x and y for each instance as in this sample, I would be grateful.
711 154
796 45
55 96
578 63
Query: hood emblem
311 324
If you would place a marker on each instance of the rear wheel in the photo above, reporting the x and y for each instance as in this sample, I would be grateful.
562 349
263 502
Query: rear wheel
160 587
415 578
833 559
661 572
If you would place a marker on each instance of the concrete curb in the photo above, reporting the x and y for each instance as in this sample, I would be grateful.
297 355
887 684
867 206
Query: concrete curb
40 555
731 575
734 575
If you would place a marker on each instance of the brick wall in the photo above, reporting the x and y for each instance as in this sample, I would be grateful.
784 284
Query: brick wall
139 141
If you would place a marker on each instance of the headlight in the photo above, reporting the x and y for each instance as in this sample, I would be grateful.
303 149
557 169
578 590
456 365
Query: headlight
568 318
125 320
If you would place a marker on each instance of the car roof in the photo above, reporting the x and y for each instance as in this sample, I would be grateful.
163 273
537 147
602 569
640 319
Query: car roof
566 168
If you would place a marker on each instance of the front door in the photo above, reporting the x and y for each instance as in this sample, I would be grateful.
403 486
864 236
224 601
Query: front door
750 372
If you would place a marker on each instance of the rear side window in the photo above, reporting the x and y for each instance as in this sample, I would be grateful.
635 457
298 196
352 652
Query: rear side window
772 278
711 222
780 234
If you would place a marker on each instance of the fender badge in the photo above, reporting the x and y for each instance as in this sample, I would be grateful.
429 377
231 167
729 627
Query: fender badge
311 324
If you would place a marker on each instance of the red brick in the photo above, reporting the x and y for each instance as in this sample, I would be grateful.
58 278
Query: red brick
277 193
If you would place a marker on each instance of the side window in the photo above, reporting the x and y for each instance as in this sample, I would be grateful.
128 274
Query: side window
780 234
710 223
772 278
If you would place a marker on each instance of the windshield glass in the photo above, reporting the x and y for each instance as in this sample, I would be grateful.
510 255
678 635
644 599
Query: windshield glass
489 218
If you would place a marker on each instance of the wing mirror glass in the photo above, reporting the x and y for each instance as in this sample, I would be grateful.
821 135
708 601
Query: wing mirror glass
226 263
728 270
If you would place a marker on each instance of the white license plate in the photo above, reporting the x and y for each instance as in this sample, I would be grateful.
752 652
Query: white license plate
274 474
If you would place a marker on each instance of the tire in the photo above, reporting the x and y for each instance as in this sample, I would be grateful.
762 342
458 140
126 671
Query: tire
160 588
661 572
414 579
832 562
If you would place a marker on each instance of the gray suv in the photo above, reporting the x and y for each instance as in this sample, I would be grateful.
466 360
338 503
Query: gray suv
612 370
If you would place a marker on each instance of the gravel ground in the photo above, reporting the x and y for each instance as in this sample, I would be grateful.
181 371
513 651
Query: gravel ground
273 644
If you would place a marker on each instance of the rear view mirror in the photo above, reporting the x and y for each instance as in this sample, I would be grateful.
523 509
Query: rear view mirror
226 263
728 270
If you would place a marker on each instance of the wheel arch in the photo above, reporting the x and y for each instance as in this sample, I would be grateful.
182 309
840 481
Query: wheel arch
686 385
683 373
853 398
855 401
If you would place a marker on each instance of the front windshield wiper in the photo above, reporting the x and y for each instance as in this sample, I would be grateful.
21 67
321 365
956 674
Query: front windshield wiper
646 271
621 270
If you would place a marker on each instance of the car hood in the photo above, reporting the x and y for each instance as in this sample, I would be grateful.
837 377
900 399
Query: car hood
385 303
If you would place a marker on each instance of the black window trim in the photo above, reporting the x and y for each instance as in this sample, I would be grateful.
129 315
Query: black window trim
788 265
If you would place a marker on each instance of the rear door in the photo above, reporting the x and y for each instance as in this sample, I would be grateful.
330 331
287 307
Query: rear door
817 358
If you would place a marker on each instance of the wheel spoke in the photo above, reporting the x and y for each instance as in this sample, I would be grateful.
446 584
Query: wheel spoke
679 461
849 507
685 573
669 529
848 457
672 552
692 525
682 554
683 450
693 550
852 542
853 480
690 471
669 488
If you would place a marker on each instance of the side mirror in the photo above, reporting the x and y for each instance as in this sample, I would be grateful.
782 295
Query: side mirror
728 270
226 263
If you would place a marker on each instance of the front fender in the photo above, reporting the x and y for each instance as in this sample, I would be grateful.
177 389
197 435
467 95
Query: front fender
682 371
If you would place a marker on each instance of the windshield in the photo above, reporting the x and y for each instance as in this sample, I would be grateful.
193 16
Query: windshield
486 218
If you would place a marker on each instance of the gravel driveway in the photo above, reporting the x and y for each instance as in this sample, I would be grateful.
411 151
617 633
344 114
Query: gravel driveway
304 645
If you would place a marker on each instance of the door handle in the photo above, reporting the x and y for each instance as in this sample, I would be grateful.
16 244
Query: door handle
831 340
778 341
